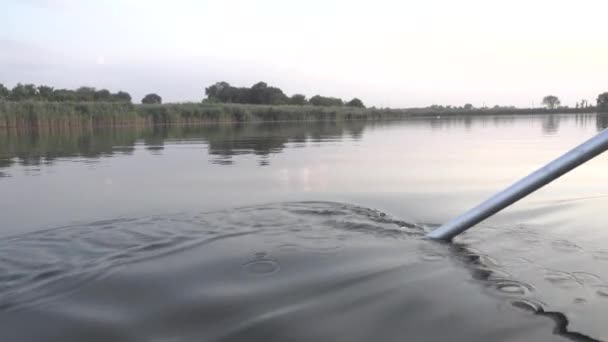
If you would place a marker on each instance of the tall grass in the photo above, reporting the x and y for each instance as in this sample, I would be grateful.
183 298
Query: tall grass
33 114
62 115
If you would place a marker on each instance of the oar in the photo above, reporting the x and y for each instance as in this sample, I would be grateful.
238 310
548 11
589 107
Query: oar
548 173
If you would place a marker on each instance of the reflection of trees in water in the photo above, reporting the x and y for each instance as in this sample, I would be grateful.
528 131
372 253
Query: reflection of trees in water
268 138
467 121
584 119
601 121
550 124
223 141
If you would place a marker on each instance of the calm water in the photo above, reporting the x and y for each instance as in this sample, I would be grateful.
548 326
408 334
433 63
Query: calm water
300 232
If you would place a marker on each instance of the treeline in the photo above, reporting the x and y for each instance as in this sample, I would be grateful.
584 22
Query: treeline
31 92
261 93
602 102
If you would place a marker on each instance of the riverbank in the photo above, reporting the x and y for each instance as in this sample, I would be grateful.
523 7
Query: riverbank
34 114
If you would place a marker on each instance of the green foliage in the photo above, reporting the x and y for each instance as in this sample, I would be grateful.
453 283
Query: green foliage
551 101
45 92
355 103
468 106
30 92
152 99
122 96
85 94
4 92
319 100
259 93
22 92
602 102
102 95
297 99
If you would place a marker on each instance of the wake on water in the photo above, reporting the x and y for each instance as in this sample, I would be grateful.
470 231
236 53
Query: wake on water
260 272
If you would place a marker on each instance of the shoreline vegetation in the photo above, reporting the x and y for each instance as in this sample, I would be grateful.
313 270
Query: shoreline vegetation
31 107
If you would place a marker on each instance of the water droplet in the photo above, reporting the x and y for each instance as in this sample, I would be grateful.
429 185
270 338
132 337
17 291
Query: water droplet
262 267
559 278
288 247
601 255
432 257
586 278
565 246
527 305
262 263
580 301
513 287
468 240
494 273
602 291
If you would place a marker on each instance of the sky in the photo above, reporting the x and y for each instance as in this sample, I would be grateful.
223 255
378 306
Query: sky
388 53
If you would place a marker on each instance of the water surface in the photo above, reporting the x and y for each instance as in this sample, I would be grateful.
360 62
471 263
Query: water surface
300 231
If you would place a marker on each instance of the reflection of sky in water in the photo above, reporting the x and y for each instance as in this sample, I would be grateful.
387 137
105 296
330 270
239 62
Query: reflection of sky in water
551 246
403 167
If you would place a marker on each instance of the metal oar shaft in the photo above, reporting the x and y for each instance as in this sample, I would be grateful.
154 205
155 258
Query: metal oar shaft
524 187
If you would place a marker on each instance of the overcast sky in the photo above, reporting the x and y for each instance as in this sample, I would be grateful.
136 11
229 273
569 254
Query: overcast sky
389 53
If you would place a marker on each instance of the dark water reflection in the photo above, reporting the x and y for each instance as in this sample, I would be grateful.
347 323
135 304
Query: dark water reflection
40 147
244 233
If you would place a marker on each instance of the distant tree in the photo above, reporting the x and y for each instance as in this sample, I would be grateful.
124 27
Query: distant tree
355 103
551 101
468 106
45 92
62 95
22 92
85 94
602 102
152 99
121 96
319 100
4 92
297 99
261 93
102 95
216 91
